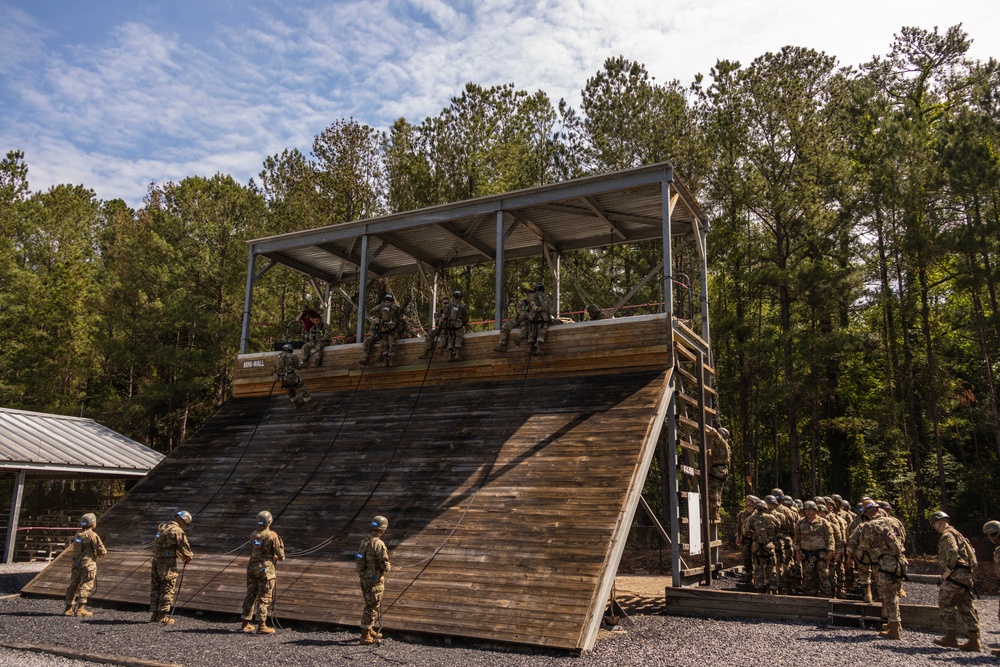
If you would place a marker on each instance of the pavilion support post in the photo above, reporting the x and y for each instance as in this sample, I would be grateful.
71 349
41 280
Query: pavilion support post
557 286
498 310
362 290
434 300
706 520
247 306
706 334
15 512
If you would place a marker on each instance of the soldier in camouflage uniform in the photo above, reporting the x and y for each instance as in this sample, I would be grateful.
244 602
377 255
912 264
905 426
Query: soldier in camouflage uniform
788 570
388 326
839 541
372 560
169 544
814 549
958 558
266 549
437 329
743 538
992 531
858 558
520 321
718 471
286 367
318 336
539 318
87 549
456 321
765 531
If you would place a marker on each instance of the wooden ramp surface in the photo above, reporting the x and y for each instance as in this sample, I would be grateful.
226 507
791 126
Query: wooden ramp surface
509 501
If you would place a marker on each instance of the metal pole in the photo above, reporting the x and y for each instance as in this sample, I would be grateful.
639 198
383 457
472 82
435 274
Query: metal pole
557 288
247 305
668 263
434 300
15 512
706 520
498 311
673 520
362 289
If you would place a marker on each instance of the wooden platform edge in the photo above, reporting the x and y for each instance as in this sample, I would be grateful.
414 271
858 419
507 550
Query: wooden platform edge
593 623
739 604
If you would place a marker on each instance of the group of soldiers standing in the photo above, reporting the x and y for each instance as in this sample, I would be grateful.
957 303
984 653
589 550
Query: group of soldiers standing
266 550
819 547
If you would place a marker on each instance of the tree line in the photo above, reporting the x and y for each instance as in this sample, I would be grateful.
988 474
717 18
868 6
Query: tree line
855 217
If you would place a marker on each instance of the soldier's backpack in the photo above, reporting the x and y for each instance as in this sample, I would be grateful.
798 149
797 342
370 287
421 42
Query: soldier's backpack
879 538
762 528
965 550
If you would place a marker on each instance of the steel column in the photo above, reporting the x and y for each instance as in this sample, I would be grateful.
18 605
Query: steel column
362 290
247 306
15 512
498 310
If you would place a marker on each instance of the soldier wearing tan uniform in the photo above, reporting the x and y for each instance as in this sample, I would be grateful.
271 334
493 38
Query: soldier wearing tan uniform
814 549
992 531
718 471
387 318
87 549
437 328
764 529
169 544
286 367
372 560
958 559
743 538
266 549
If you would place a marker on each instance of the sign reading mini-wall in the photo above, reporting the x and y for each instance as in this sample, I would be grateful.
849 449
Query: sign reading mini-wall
253 363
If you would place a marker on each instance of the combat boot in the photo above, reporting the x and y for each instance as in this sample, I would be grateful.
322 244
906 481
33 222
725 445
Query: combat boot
81 610
866 593
500 347
363 361
247 627
455 356
538 348
166 620
517 341
893 631
973 644
995 652
264 629
426 354
388 362
948 640
69 611
367 636
154 617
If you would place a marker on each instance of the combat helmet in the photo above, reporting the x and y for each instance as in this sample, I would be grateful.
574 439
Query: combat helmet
939 516
777 493
185 517
724 432
809 505
457 294
89 520
770 500
539 287
991 528
287 347
380 523
388 297
264 518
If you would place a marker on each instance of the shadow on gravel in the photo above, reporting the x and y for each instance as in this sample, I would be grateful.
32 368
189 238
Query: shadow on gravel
43 614
323 643
210 631
115 621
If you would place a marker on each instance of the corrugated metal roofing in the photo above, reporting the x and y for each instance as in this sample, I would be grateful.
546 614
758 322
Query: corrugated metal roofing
590 212
43 442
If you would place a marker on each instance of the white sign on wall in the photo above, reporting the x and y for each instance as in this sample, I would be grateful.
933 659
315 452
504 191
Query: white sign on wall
694 523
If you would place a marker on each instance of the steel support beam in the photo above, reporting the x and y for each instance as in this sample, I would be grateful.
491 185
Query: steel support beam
498 293
362 289
248 304
15 513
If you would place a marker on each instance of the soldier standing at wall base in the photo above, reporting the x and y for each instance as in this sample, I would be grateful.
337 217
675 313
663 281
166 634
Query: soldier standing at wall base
958 559
764 529
992 530
744 540
169 544
814 549
266 549
372 560
87 549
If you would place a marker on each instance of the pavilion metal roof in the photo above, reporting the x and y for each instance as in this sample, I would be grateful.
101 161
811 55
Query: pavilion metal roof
43 443
592 212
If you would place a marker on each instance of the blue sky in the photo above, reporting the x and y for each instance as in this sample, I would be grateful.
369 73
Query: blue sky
114 94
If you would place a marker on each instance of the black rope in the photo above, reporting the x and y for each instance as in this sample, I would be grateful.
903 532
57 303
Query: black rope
427 561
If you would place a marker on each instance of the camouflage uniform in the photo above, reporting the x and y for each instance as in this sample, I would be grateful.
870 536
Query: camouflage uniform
372 564
388 318
955 595
436 330
718 471
744 540
520 321
764 529
169 544
861 558
888 554
266 548
814 544
788 570
87 549
539 318
838 572
317 338
456 320
286 366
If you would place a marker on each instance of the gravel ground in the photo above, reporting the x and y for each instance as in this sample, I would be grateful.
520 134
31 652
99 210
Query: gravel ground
646 638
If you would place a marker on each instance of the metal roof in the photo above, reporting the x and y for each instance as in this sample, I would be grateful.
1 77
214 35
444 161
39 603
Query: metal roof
43 443
592 212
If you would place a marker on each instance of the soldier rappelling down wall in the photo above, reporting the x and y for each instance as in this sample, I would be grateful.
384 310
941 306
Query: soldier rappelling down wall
539 319
286 367
387 319
456 322
439 325
519 321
